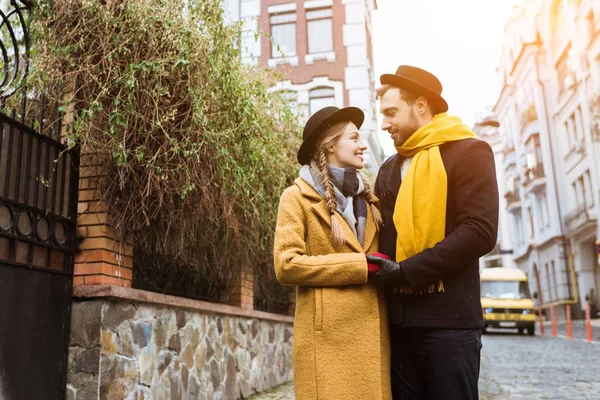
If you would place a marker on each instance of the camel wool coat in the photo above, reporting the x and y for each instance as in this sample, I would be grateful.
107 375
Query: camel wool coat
341 344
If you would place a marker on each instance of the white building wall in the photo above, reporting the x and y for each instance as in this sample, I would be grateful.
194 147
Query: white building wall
359 75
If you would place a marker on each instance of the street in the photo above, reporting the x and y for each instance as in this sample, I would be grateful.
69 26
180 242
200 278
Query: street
527 367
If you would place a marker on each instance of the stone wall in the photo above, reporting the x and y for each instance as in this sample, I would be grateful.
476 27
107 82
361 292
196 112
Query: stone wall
130 344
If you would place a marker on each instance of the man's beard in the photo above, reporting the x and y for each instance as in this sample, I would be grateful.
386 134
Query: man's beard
407 130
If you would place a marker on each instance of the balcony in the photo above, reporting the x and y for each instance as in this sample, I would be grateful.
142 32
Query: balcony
513 200
508 149
512 196
577 219
595 107
529 115
534 178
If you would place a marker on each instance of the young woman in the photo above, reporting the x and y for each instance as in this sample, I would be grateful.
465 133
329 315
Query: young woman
327 222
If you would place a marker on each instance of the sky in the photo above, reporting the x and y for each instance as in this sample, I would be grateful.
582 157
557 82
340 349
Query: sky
460 41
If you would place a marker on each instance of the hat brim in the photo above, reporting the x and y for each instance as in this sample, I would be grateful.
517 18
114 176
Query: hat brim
438 102
349 114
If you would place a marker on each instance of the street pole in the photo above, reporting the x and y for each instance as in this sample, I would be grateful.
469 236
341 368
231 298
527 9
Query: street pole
569 329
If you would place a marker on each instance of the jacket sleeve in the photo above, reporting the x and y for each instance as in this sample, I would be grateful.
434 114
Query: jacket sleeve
475 192
292 264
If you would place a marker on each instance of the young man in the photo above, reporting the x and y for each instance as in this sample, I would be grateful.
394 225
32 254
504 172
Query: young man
439 200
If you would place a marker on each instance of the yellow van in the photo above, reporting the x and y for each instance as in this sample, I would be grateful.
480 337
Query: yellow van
505 300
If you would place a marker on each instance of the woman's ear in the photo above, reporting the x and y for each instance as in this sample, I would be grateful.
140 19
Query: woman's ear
331 149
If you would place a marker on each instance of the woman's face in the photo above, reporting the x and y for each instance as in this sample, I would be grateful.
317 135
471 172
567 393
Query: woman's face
348 150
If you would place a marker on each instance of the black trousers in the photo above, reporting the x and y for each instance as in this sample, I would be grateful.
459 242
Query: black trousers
440 364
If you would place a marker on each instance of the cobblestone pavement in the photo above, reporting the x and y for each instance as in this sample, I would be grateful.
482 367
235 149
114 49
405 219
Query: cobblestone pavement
515 367
283 392
538 367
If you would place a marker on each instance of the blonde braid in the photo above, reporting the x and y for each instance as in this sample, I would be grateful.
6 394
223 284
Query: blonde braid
370 197
337 234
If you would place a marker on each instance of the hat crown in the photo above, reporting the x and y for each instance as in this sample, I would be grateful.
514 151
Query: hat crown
316 119
425 78
320 121
419 82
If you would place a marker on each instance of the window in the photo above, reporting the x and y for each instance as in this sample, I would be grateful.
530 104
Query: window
533 159
320 98
589 200
569 129
283 33
518 227
290 97
508 290
579 189
591 26
549 283
556 13
531 225
578 124
320 30
563 71
555 286
534 151
544 209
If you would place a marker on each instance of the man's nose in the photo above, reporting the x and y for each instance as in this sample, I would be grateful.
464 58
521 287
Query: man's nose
385 125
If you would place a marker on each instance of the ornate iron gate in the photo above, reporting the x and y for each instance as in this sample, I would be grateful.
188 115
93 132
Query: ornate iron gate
38 215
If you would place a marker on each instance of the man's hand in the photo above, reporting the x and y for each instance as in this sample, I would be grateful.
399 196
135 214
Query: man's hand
372 267
390 271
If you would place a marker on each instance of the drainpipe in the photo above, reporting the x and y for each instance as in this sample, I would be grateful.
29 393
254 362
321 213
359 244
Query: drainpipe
571 280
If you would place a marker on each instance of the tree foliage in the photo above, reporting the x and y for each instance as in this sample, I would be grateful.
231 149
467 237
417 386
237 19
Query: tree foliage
194 148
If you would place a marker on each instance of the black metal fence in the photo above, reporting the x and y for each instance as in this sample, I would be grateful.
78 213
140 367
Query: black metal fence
38 215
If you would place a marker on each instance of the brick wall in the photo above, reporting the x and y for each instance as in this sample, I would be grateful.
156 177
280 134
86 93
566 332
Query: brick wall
241 292
102 260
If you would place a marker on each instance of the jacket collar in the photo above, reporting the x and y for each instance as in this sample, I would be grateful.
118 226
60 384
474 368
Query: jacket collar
319 206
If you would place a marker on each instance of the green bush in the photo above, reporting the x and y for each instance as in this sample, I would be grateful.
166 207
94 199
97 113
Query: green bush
195 150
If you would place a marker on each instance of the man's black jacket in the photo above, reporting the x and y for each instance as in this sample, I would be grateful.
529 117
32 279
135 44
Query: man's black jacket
471 232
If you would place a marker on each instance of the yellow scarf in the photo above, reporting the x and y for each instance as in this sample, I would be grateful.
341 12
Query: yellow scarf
420 209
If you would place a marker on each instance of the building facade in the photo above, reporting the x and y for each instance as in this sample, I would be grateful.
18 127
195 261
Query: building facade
323 49
487 128
549 121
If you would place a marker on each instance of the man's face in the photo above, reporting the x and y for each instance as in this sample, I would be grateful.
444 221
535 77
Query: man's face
399 118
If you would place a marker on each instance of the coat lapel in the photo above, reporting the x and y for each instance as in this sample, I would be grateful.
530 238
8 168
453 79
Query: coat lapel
320 209
370 228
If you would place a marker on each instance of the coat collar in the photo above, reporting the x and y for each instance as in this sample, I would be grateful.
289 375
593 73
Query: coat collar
319 207
391 173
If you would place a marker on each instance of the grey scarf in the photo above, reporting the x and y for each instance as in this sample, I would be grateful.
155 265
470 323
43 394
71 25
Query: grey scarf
347 187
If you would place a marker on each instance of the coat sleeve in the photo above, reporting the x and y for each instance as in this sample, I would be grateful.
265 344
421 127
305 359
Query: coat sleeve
475 192
292 264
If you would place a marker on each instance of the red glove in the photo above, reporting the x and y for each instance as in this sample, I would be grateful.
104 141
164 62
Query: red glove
373 268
